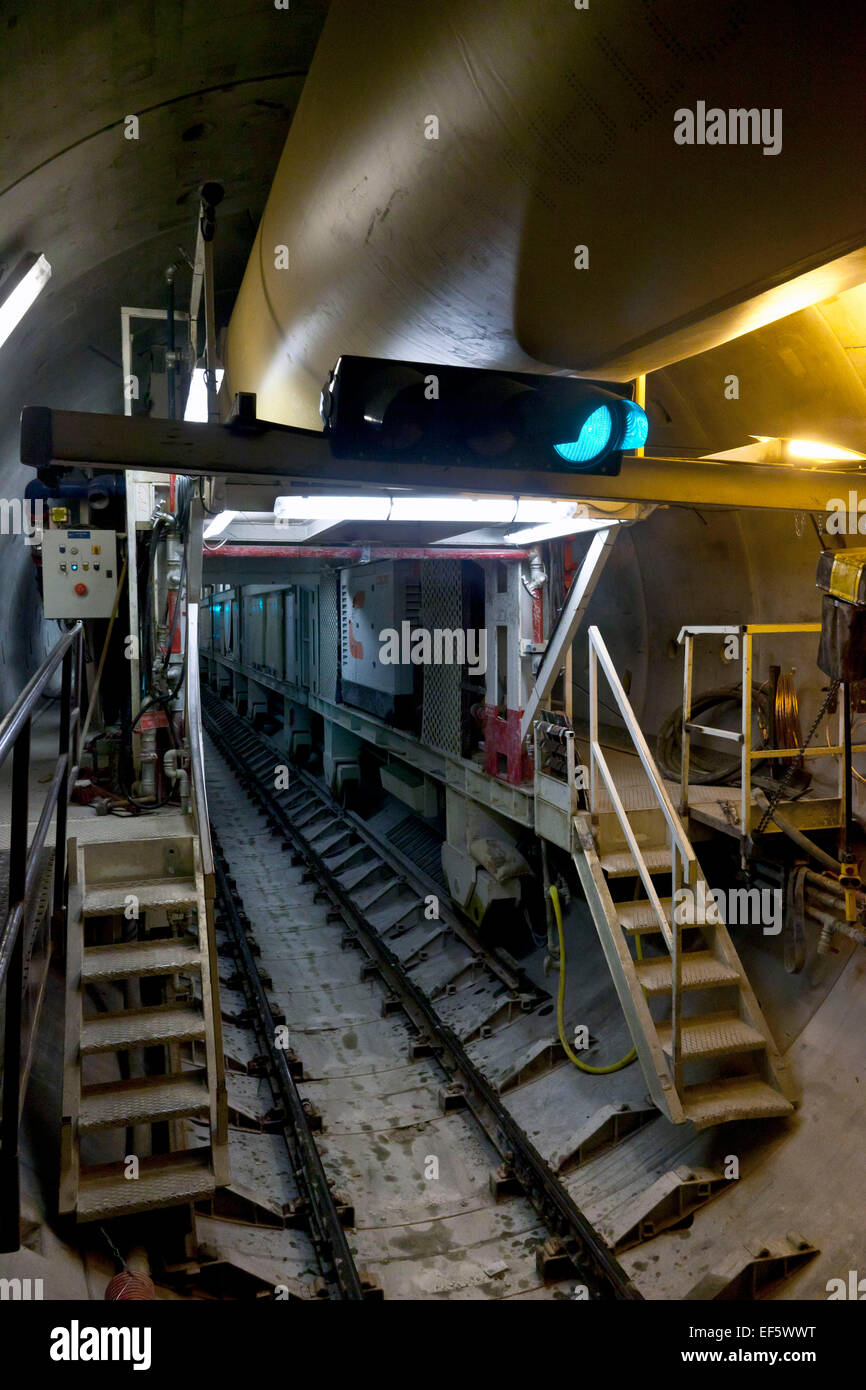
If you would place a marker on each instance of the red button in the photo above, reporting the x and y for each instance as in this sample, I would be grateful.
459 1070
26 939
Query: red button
81 589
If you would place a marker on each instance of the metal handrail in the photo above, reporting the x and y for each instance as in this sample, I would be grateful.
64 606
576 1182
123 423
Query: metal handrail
599 650
678 841
13 721
194 737
25 854
633 845
746 632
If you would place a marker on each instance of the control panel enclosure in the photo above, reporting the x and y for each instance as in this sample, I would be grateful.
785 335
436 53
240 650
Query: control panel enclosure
79 572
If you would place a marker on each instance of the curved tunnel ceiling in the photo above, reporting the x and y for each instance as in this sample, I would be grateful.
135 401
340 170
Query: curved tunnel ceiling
215 88
555 129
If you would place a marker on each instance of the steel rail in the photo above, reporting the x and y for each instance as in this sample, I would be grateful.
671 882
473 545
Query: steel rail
325 1227
591 1257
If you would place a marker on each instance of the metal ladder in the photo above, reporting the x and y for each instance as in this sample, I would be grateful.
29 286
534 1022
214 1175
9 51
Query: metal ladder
149 999
704 1062
145 988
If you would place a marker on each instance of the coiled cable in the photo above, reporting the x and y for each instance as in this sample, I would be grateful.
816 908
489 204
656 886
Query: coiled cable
704 765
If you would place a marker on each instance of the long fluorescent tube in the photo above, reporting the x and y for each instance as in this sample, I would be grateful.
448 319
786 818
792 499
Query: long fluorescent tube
196 401
340 508
778 450
810 449
490 511
221 522
558 528
541 509
30 275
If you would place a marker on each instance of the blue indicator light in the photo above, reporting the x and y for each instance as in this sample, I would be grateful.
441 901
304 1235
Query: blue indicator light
261 603
75 567
592 440
637 427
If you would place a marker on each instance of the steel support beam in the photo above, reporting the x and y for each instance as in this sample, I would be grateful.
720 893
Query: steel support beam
577 600
77 439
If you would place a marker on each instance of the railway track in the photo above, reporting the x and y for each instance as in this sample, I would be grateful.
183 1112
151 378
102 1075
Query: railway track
472 1208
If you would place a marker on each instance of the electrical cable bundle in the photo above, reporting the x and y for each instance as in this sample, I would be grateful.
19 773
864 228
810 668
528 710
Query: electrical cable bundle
183 494
706 767
154 697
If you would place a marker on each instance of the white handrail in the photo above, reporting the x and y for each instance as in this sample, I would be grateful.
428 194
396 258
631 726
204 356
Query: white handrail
634 847
678 840
597 646
194 737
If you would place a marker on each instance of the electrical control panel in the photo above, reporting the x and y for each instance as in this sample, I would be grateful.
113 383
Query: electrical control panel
79 572
375 599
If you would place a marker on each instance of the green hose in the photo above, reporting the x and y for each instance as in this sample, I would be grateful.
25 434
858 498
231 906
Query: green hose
560 999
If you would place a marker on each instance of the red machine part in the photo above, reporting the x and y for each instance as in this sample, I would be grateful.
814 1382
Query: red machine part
502 739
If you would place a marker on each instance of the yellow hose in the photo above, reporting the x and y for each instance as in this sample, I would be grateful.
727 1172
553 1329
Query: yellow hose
560 999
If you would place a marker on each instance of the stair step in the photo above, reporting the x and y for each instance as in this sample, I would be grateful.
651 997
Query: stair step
700 970
128 960
143 1100
163 892
163 1181
638 917
732 1098
164 1023
713 1035
621 863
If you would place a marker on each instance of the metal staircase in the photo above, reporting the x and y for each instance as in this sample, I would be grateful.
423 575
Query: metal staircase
144 1098
141 998
704 1045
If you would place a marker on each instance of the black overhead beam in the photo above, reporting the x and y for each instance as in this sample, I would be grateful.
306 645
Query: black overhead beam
76 439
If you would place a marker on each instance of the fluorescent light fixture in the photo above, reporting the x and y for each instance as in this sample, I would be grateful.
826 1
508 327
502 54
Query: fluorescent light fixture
553 529
480 511
775 449
196 401
221 522
541 509
811 449
30 275
339 508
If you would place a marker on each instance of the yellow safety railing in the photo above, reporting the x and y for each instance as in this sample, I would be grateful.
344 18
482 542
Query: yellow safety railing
745 633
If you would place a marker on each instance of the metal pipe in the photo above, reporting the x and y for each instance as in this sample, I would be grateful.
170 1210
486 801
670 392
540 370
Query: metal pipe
363 552
174 773
195 292
211 195
832 887
807 845
832 924
537 581
169 357
848 788
825 901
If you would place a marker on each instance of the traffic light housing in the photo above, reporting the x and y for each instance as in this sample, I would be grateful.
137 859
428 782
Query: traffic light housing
416 412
